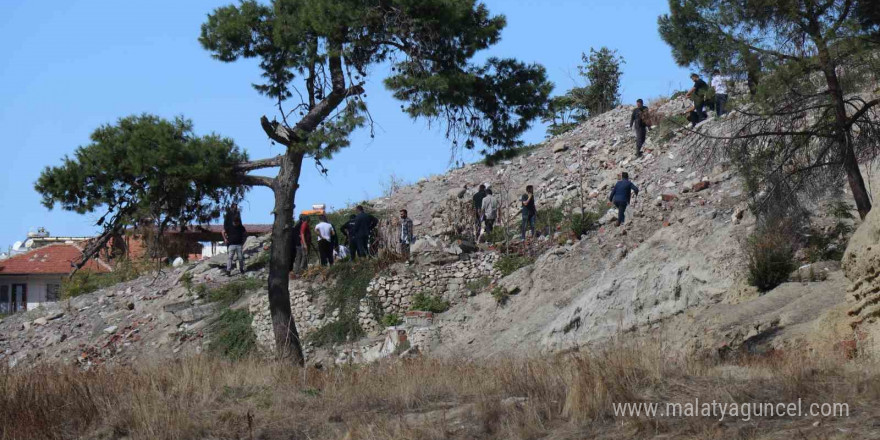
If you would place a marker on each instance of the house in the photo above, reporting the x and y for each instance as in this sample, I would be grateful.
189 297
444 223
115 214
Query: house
34 277
192 243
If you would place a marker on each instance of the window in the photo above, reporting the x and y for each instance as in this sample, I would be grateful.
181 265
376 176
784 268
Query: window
19 298
52 291
4 300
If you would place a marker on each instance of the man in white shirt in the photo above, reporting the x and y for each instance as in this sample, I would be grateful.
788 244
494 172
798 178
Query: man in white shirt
325 241
719 83
489 210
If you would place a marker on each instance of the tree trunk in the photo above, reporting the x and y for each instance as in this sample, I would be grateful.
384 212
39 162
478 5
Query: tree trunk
844 136
287 343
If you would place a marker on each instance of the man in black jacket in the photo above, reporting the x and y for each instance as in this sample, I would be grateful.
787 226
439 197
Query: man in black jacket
638 122
363 224
347 230
234 234
620 196
697 93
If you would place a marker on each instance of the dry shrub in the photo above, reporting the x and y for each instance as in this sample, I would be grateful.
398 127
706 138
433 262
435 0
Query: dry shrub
562 396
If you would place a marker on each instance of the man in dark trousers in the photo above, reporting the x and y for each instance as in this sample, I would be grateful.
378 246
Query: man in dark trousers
363 224
234 234
347 230
638 123
697 93
326 238
529 212
478 207
620 195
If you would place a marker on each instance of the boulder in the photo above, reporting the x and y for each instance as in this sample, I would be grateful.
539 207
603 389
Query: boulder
559 147
699 186
466 246
177 262
41 321
737 216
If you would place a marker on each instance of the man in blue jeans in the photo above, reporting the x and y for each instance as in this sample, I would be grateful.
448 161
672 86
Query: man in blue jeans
620 196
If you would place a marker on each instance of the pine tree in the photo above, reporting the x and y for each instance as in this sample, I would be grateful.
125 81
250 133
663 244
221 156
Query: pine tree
601 72
806 127
315 56
601 68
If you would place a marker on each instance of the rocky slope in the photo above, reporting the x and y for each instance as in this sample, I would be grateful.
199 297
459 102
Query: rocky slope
674 270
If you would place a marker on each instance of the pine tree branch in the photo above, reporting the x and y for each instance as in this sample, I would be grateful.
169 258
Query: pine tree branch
271 162
287 136
268 182
855 117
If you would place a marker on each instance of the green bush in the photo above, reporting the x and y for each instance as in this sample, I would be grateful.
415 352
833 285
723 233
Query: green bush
345 293
390 320
477 285
581 224
186 280
501 296
336 332
549 219
429 303
667 127
231 292
233 336
84 281
499 234
770 258
510 263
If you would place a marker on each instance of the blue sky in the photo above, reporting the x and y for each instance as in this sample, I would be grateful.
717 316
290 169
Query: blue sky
68 66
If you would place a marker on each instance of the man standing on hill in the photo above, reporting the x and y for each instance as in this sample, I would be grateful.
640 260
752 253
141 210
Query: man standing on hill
529 212
697 93
363 224
478 206
620 196
406 233
719 83
234 234
304 235
639 122
347 229
326 237
489 210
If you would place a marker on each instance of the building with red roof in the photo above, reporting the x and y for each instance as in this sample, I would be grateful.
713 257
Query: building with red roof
34 277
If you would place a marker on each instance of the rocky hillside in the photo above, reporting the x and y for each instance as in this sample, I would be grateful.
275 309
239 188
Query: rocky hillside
675 269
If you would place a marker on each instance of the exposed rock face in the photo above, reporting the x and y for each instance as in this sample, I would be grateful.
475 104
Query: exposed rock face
861 263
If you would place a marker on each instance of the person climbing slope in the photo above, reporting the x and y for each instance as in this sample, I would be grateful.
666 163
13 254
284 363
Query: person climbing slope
621 194
639 123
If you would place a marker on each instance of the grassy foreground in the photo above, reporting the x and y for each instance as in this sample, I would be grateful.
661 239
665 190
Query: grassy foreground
565 396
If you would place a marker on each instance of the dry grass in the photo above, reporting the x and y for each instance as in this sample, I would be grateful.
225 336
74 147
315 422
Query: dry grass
563 396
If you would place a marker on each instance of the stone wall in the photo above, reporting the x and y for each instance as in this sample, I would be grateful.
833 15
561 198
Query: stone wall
306 305
394 294
391 294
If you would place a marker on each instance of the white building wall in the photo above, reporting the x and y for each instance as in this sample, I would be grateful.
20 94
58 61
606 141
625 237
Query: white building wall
36 287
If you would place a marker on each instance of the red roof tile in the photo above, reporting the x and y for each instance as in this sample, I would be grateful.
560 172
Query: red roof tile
52 259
